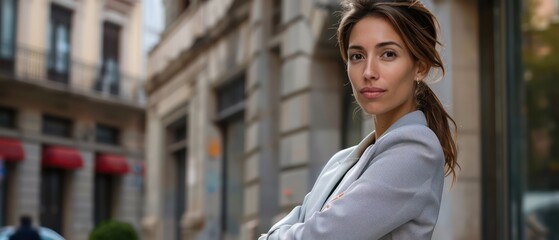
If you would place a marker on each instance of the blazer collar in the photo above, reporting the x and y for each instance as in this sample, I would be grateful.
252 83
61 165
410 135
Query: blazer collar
412 118
415 117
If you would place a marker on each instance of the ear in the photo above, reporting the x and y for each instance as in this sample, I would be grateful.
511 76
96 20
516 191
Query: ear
422 69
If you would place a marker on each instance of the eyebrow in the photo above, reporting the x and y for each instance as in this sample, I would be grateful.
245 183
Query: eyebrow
380 45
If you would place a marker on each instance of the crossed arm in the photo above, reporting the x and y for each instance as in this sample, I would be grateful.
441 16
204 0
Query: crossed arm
394 190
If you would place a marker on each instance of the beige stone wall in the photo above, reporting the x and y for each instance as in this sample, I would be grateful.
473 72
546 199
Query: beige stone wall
292 114
32 96
86 42
461 215
467 113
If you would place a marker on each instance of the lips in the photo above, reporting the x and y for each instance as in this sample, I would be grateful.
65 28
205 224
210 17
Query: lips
372 92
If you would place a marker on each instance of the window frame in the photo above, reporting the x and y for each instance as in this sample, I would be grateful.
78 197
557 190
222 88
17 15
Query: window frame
7 65
114 140
177 148
501 119
53 119
11 114
111 47
59 16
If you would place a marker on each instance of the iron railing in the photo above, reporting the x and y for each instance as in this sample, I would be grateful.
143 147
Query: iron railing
36 66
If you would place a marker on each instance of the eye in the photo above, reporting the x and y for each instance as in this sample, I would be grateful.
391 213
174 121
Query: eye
389 55
356 56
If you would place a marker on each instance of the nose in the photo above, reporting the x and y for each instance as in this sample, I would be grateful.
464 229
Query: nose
370 72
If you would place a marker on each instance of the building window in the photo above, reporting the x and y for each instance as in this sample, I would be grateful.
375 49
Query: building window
104 189
231 98
177 150
59 35
180 198
276 16
233 189
231 107
109 77
57 126
8 9
52 192
7 117
107 134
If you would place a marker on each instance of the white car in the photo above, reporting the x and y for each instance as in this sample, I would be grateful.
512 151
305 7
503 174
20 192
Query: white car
45 233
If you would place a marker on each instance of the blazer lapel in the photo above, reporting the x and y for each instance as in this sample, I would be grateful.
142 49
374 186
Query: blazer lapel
328 180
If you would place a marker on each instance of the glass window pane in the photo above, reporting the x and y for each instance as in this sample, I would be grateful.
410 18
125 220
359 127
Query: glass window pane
107 134
103 197
57 126
233 179
7 117
180 201
52 190
7 34
540 49
62 49
59 34
50 50
231 94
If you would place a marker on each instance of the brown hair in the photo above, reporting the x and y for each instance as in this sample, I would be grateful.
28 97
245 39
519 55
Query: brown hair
417 27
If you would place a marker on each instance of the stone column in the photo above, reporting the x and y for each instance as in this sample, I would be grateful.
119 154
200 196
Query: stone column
151 223
79 207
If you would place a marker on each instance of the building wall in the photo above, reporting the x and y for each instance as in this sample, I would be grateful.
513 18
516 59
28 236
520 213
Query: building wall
461 214
31 94
293 101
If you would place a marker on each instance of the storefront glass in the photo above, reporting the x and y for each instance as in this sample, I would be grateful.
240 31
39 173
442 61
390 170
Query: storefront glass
540 56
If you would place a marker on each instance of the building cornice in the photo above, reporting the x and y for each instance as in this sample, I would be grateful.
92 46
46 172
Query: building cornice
122 6
237 14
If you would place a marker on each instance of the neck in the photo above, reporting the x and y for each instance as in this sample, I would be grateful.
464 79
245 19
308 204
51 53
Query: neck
384 121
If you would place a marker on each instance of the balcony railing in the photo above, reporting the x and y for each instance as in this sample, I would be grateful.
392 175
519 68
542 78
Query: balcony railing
105 81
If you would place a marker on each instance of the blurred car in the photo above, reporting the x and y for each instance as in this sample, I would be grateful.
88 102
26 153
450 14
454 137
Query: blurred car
541 210
45 233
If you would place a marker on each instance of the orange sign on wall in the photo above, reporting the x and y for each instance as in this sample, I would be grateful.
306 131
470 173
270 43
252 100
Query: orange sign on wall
214 148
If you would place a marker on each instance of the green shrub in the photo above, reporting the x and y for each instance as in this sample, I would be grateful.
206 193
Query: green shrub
113 230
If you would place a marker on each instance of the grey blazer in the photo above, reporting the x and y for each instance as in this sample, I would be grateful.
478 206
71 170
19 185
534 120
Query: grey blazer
388 189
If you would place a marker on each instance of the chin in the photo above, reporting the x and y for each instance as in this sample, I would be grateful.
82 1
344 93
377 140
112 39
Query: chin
372 110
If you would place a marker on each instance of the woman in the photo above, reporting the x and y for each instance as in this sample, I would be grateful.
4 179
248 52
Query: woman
390 185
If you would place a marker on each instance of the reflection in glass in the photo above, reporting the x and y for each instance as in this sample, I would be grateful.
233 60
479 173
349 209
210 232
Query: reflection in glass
62 49
540 33
7 35
59 32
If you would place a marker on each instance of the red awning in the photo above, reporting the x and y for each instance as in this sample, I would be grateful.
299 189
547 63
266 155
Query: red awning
111 164
62 157
11 150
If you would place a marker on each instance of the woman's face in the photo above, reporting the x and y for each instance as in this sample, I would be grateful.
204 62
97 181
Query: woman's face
381 69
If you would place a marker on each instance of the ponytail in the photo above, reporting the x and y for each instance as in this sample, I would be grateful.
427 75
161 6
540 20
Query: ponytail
438 121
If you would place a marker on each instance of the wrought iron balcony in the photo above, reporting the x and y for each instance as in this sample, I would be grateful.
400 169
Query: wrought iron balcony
104 80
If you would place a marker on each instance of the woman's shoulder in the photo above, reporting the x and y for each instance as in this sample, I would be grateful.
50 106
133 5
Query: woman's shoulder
414 135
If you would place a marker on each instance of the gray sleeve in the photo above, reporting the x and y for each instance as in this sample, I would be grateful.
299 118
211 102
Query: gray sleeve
394 189
295 216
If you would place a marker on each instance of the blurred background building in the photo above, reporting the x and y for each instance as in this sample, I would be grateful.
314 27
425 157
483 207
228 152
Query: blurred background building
249 99
71 113
245 101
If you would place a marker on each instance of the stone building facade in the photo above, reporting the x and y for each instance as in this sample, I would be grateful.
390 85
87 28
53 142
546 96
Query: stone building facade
71 113
260 94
